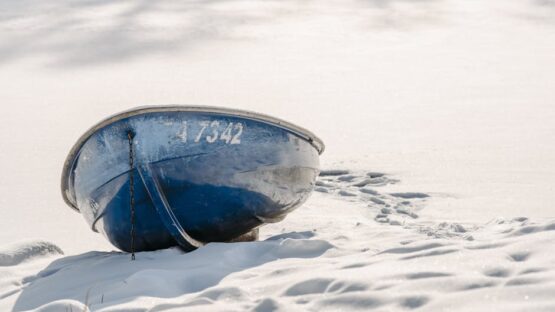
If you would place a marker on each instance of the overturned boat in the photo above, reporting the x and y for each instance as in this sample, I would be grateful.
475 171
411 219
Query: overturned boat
155 177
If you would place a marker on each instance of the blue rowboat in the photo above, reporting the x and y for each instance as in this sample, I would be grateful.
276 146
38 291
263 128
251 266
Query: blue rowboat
155 177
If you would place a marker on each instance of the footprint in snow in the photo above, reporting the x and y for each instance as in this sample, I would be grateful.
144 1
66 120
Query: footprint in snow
519 256
497 272
356 186
321 286
451 230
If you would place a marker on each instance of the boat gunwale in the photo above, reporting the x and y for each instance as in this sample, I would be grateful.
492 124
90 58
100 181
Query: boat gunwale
310 137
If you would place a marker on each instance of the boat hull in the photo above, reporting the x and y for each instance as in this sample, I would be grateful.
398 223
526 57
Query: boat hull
195 176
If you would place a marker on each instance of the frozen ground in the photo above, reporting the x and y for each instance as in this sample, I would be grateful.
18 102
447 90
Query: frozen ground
453 100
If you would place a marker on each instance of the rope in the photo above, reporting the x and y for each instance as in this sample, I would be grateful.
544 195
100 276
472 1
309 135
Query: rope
131 193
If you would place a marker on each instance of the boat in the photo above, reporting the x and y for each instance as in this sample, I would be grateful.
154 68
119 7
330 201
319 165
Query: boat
161 176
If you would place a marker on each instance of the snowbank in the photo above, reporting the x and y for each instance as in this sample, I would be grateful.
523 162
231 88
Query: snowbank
100 279
23 251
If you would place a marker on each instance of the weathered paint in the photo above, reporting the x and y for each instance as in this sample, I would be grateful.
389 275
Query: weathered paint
201 175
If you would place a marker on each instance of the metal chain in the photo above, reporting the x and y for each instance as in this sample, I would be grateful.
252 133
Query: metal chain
131 193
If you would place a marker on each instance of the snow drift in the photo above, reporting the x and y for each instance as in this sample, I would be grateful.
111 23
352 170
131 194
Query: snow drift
17 253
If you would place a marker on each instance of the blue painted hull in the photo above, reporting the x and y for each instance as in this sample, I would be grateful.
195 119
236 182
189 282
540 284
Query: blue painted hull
198 175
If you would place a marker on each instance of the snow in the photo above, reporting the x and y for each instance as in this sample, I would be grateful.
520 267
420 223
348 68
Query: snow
437 115
23 251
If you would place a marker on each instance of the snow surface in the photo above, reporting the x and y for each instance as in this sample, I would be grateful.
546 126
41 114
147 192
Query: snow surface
438 117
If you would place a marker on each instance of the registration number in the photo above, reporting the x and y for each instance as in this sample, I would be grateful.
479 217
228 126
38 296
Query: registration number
211 132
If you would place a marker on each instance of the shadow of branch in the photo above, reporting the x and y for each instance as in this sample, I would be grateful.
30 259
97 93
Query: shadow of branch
70 33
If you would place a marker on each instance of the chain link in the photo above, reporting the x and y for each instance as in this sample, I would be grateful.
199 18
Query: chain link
131 193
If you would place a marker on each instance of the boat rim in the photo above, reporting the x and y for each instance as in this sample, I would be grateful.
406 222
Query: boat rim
70 159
